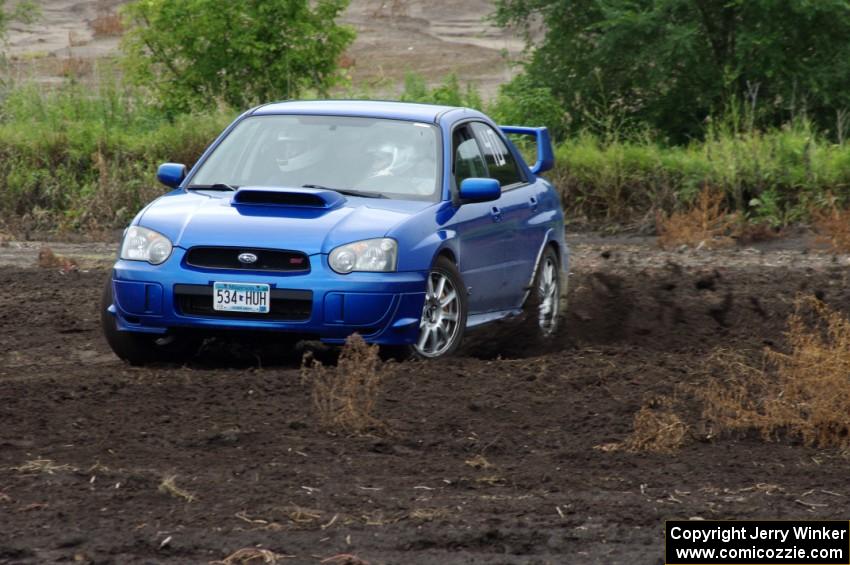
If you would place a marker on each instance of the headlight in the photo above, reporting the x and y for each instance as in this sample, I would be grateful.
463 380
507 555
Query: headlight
376 255
142 244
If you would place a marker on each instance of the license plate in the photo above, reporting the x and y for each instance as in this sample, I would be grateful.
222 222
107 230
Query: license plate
241 297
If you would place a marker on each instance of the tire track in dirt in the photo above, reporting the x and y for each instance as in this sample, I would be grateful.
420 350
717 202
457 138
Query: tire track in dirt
491 458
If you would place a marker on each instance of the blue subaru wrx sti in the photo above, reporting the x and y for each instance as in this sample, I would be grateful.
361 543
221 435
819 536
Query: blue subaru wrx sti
406 223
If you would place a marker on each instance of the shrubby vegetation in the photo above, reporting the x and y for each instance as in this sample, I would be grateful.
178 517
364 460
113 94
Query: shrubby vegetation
774 176
778 176
82 158
73 159
449 93
524 101
194 53
670 64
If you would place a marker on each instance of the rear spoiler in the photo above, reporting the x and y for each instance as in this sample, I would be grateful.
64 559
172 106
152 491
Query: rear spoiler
545 153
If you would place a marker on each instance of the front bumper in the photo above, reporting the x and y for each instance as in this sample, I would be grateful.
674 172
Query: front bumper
383 307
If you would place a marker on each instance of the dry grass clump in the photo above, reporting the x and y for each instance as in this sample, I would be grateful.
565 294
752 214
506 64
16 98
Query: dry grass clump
657 429
47 259
345 396
47 466
478 462
706 224
107 24
252 556
75 67
492 480
732 402
302 517
802 394
169 486
429 514
833 228
344 559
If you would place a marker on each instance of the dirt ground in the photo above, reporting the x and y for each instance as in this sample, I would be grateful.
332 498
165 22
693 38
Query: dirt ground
491 458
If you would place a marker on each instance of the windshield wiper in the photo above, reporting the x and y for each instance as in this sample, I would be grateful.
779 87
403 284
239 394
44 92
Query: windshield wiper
216 186
346 191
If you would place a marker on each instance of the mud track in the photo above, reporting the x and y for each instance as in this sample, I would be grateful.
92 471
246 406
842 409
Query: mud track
492 455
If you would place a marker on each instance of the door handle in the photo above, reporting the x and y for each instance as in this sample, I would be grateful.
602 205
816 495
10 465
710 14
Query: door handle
533 202
496 212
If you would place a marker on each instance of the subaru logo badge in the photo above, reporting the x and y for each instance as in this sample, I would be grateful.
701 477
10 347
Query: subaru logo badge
247 258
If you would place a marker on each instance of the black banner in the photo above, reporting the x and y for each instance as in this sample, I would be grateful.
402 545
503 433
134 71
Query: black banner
698 542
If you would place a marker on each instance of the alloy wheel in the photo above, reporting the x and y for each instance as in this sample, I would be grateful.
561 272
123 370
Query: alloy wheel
439 325
549 299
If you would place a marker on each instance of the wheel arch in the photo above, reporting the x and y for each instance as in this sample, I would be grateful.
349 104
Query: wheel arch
554 246
550 241
448 253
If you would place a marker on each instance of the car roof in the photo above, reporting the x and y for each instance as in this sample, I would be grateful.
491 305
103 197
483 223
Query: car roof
361 108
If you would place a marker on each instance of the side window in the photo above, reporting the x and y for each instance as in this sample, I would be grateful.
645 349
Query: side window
500 161
468 161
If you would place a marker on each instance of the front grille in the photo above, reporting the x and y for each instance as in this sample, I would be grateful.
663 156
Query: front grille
286 305
267 259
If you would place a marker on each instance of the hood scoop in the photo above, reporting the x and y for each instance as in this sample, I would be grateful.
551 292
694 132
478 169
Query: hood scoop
288 197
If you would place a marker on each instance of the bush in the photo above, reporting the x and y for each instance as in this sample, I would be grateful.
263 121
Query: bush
195 52
803 394
524 102
449 93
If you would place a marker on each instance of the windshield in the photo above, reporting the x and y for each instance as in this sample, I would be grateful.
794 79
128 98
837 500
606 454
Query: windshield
378 157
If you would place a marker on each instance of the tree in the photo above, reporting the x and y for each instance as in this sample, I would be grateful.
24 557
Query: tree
673 63
193 53
522 102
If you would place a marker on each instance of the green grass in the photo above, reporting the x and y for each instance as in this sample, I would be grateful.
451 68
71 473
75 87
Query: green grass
84 159
776 177
72 159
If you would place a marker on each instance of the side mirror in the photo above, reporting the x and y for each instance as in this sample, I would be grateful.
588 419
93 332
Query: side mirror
171 174
480 190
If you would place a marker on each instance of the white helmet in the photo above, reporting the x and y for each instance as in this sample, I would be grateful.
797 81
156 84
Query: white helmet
384 158
295 154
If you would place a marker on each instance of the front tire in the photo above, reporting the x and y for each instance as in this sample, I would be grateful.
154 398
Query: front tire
443 320
142 349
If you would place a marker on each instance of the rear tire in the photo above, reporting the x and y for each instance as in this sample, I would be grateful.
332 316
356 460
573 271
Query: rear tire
142 349
543 306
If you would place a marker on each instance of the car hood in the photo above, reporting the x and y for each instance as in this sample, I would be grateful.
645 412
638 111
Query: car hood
211 219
